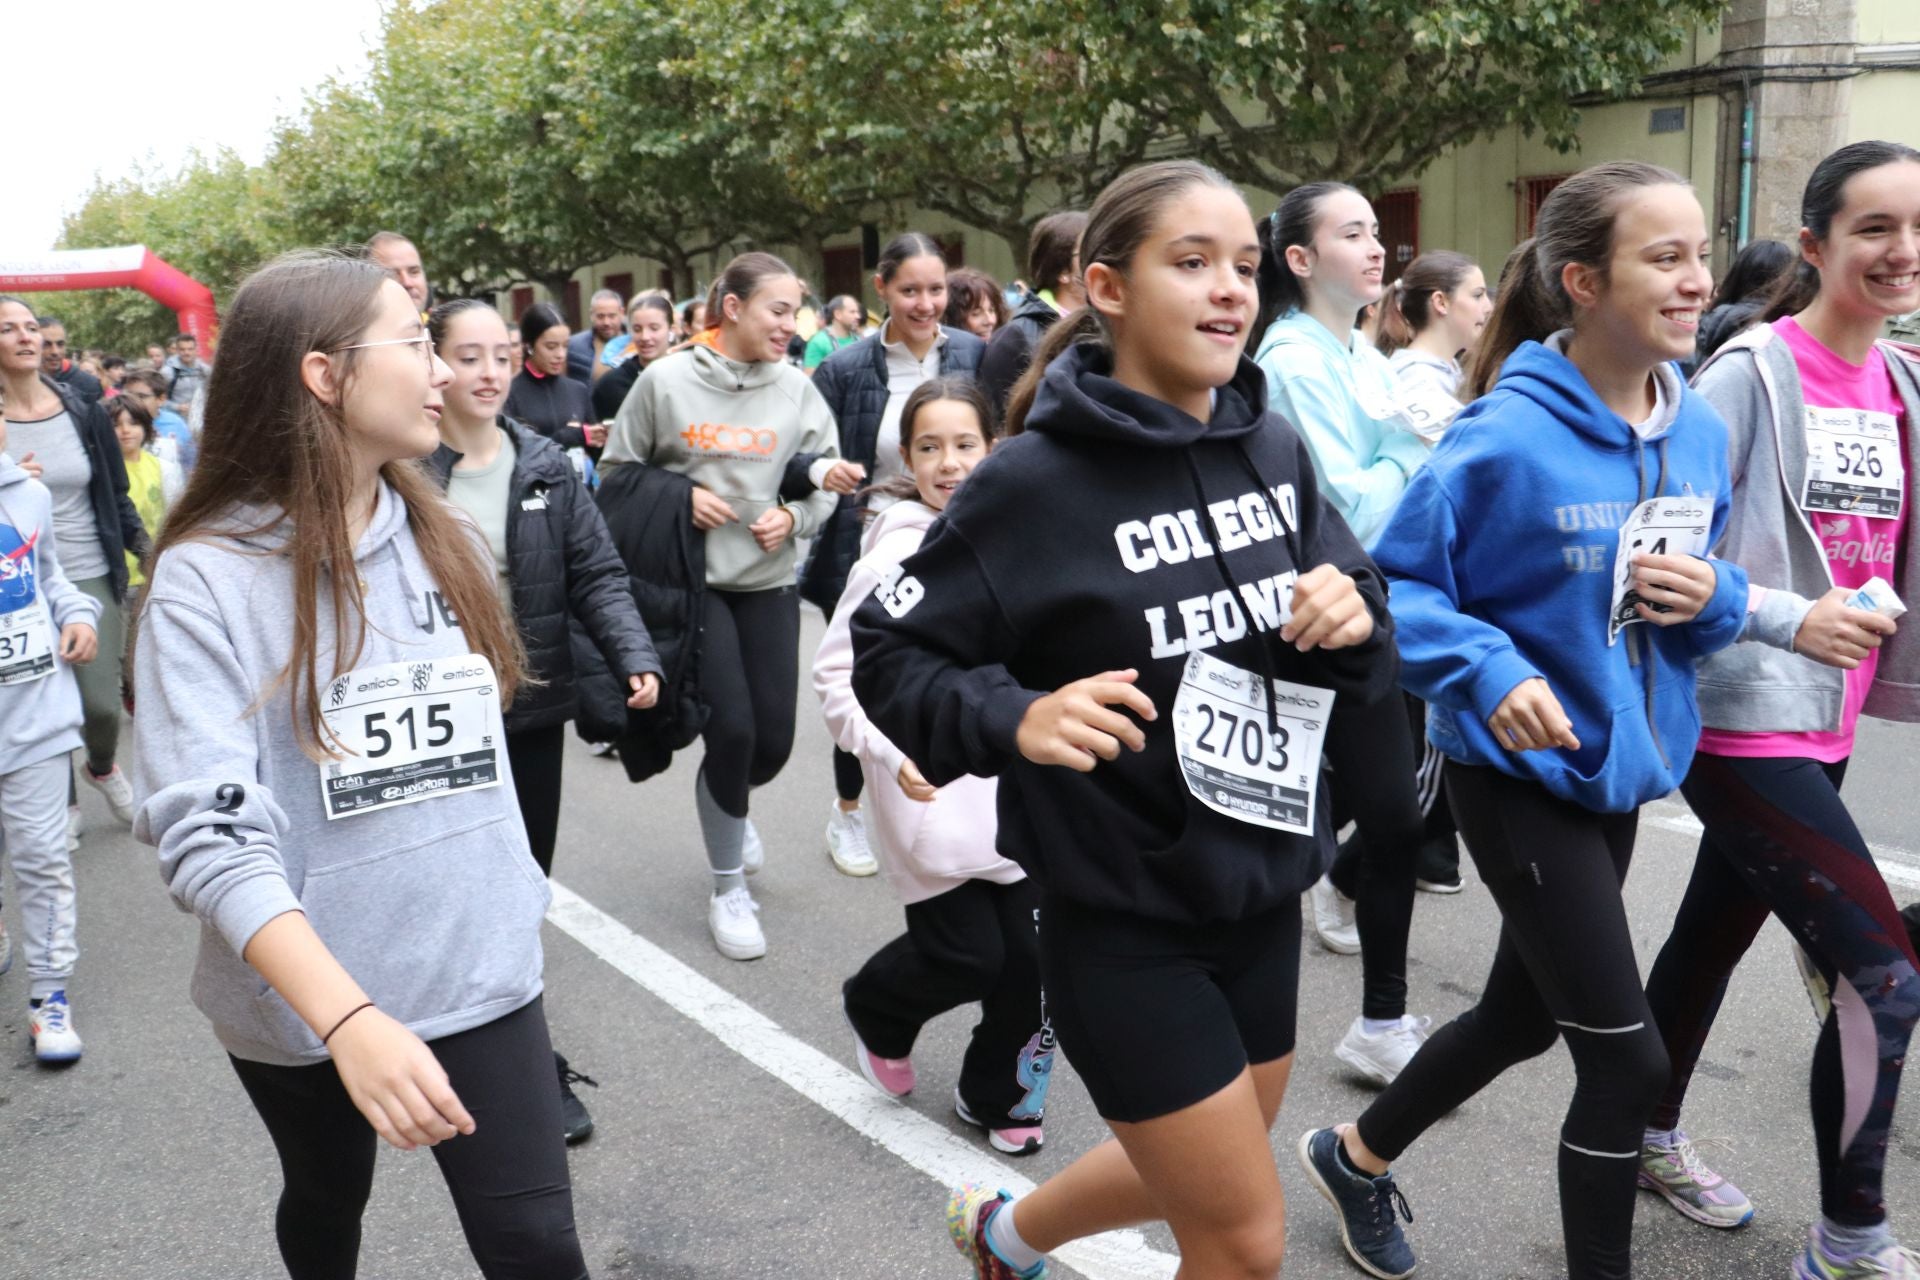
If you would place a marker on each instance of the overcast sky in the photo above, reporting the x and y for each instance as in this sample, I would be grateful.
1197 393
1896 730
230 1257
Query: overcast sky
110 85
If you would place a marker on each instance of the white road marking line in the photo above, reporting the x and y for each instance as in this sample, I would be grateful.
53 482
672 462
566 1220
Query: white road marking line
947 1159
1899 866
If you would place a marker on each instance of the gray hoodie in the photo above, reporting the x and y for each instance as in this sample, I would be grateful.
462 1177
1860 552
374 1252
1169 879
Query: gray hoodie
1759 685
730 427
39 717
434 907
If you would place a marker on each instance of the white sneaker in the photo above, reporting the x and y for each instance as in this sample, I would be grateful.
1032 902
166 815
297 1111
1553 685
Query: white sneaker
115 787
847 843
1382 1056
74 828
733 919
1333 918
753 854
50 1026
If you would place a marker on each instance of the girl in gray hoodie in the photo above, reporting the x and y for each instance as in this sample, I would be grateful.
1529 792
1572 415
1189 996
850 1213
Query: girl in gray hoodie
320 662
47 627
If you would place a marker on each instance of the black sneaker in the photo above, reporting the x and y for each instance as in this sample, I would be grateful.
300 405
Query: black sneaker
1369 1208
1438 868
576 1123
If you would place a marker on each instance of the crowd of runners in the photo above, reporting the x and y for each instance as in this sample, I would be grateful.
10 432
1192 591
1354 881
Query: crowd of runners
1199 597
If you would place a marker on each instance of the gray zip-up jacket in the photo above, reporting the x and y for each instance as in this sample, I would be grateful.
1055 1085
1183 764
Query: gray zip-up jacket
434 907
39 719
1760 685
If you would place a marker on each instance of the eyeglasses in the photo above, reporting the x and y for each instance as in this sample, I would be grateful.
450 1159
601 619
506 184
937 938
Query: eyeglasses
424 342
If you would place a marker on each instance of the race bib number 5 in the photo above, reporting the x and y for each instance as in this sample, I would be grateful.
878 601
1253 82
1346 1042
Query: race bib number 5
1233 761
412 731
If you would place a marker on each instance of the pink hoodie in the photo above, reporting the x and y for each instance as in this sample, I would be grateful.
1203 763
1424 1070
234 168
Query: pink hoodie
925 847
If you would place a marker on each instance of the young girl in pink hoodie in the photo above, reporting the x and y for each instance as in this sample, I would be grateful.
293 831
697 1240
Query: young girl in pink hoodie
970 912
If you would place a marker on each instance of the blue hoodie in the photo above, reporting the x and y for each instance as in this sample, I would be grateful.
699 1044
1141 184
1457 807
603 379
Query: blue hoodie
1500 559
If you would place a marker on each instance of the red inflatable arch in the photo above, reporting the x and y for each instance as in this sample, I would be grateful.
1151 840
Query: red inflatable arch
131 266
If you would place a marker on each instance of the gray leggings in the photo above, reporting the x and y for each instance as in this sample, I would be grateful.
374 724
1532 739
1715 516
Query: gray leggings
100 679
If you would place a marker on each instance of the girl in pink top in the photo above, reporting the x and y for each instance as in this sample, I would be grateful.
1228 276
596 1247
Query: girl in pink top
1821 419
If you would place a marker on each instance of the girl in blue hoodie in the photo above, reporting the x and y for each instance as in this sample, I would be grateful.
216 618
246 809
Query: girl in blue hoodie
1552 593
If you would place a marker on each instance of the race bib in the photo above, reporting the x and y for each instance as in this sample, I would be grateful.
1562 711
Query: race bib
26 643
1377 400
1671 526
413 731
1428 410
1232 763
1854 464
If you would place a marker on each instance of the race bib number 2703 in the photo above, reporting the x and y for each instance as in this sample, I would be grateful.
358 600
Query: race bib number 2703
412 731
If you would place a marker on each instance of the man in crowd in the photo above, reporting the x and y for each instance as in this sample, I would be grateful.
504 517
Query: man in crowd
185 373
607 320
397 255
842 329
156 355
55 364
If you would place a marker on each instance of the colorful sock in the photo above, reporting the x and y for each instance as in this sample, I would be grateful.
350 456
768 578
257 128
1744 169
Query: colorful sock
1842 1241
1660 1138
1006 1242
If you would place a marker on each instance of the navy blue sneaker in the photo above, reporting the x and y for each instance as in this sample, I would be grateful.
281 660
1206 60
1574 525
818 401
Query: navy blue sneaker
1370 1208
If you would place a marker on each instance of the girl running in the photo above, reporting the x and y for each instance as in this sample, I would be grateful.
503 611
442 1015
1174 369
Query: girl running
1525 628
47 627
1136 613
542 395
970 912
730 415
1806 395
649 335
1322 263
68 445
556 567
1442 298
321 661
153 482
866 385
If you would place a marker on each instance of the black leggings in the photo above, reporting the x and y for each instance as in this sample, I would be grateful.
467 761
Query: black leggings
976 942
1778 840
1564 965
848 778
1372 754
536 756
508 1178
750 676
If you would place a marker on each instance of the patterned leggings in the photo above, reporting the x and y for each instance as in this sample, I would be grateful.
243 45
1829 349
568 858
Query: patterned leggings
1778 839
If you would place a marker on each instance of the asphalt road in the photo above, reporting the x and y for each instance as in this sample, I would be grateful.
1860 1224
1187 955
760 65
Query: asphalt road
731 1145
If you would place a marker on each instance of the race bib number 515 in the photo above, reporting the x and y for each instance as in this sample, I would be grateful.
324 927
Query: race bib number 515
412 731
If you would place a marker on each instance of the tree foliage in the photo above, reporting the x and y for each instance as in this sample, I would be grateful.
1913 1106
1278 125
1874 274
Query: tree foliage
525 139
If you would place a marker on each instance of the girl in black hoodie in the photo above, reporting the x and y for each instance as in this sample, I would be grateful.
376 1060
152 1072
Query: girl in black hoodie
1139 613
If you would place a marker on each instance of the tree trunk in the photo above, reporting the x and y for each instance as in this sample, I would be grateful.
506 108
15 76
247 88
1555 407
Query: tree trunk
681 266
810 260
555 283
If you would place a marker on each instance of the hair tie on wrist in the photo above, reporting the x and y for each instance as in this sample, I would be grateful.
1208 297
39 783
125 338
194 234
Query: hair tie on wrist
343 1021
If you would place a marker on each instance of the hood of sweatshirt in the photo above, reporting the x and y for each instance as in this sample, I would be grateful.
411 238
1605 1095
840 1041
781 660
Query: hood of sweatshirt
911 515
723 373
1077 396
1551 382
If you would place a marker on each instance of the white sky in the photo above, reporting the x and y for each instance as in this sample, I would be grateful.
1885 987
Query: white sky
113 84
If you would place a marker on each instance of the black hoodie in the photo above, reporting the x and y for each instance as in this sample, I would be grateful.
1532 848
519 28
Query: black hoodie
1045 570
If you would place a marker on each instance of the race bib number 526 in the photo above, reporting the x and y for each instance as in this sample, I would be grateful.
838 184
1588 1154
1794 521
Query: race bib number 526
412 731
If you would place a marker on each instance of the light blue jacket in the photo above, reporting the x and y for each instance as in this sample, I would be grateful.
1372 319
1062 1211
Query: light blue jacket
1343 399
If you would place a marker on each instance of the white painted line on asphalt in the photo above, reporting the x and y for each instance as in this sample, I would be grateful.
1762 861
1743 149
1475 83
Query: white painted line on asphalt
928 1147
1899 866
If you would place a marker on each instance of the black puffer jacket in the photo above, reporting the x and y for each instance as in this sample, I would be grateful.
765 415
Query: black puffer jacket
1011 350
562 566
853 381
649 512
113 510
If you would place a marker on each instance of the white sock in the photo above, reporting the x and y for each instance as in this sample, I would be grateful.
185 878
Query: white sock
1841 1240
1005 1241
1380 1026
1660 1137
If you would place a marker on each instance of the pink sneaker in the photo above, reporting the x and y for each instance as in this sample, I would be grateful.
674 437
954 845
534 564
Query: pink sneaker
1021 1140
891 1076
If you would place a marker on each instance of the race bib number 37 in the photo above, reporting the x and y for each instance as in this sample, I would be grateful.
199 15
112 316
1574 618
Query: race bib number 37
1233 763
413 731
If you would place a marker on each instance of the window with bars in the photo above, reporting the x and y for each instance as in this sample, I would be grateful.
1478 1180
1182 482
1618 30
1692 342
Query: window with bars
1399 214
1533 193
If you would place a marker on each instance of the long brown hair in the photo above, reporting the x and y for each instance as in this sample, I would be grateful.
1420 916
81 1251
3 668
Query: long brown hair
1120 221
1410 298
1575 225
1825 196
269 441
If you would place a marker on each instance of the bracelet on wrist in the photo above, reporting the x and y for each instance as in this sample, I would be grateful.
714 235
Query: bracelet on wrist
343 1021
